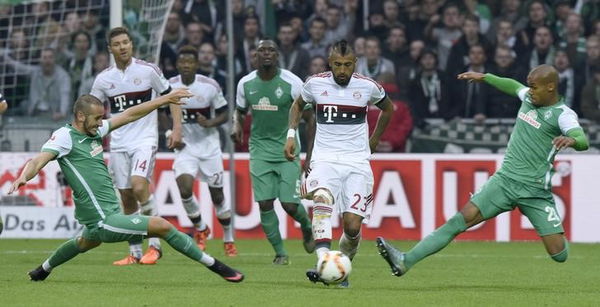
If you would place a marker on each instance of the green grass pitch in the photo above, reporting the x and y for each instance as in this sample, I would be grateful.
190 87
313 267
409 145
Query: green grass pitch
464 274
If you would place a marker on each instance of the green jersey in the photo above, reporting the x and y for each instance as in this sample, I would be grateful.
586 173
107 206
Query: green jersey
530 154
81 160
269 102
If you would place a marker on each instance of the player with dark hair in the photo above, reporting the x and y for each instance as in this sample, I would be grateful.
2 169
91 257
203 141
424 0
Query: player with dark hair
544 126
341 174
78 149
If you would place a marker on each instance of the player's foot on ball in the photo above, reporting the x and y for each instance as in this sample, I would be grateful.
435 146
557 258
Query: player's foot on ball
344 284
200 238
230 250
308 241
228 273
394 257
127 261
151 256
313 276
281 260
38 274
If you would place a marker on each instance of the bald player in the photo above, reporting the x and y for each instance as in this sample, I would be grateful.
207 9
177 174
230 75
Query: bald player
544 126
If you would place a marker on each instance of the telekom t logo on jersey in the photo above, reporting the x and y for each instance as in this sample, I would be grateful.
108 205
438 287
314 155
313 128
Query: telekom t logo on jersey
329 113
121 102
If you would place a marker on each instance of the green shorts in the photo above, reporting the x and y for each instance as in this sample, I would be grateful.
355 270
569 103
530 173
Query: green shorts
272 180
501 194
118 228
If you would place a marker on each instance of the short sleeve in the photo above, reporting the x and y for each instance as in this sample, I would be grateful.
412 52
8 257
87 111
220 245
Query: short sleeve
59 143
377 93
522 93
104 130
240 98
218 100
568 120
158 81
306 92
97 89
296 86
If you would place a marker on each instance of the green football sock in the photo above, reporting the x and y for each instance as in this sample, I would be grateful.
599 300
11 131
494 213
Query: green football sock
436 240
184 244
64 253
270 225
301 216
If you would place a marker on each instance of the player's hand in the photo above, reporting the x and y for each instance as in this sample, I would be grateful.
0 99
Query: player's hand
471 76
176 96
175 140
289 149
237 135
306 168
373 142
561 142
17 184
203 121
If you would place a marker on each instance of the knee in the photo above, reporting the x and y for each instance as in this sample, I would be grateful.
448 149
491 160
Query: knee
266 205
352 231
85 245
160 226
289 207
185 192
323 196
140 188
217 198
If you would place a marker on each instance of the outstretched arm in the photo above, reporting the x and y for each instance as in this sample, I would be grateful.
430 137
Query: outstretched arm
31 169
141 110
506 85
294 118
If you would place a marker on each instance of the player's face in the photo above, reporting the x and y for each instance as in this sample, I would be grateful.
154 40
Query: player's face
539 91
187 65
342 67
92 119
122 48
266 54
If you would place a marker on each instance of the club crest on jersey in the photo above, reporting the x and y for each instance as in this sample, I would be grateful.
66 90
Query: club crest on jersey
530 118
264 104
96 148
278 92
137 81
548 114
356 95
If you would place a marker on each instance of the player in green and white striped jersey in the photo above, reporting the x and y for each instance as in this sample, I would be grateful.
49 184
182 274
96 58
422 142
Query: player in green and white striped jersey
544 126
78 149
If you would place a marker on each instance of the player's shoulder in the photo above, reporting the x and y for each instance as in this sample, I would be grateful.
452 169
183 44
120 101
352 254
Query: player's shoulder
565 110
366 80
175 80
289 76
201 79
62 134
320 77
249 77
106 72
143 65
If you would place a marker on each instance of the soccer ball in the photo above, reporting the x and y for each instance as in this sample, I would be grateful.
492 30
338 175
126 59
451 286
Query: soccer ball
333 267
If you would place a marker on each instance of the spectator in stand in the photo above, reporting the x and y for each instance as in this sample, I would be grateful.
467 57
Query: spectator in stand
590 97
407 72
317 45
443 37
101 62
391 13
221 58
372 64
537 13
291 55
592 56
194 35
481 10
573 40
505 35
338 24
569 83
250 40
590 12
428 94
207 64
286 10
562 10
499 104
203 12
17 48
318 64
298 25
239 16
359 46
172 38
418 20
79 65
92 26
470 98
396 47
377 26
392 140
44 29
543 51
460 52
319 11
510 12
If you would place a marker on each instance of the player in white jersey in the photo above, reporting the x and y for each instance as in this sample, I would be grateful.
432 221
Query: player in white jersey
201 156
341 174
3 107
133 148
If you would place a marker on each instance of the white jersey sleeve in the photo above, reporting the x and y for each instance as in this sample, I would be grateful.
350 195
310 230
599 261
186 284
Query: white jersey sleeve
218 100
104 130
98 89
240 99
522 93
306 92
59 143
567 120
158 81
377 93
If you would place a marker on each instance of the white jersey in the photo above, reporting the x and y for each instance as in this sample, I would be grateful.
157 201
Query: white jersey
342 130
125 89
208 97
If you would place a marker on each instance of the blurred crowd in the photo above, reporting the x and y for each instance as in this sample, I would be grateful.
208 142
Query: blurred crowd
413 48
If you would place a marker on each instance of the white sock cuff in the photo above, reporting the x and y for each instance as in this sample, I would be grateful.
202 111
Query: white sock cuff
46 265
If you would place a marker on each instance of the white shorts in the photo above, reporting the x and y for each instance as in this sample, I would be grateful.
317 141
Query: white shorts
123 165
209 170
351 185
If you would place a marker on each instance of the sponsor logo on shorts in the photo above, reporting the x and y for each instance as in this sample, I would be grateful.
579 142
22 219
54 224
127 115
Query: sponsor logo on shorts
313 183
